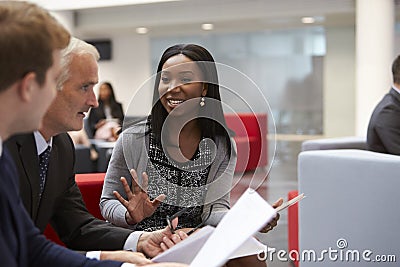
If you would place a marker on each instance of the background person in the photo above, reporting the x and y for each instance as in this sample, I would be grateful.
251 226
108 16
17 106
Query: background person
383 134
81 138
106 120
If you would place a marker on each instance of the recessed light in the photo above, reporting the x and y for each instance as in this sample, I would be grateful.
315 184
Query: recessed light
307 20
142 30
207 26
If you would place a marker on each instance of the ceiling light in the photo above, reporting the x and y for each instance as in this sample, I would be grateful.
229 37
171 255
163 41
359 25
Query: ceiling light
207 26
307 20
142 30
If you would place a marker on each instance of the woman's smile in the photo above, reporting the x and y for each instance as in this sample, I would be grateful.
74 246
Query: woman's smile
174 102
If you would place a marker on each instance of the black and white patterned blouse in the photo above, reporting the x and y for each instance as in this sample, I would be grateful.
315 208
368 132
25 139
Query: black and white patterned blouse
169 177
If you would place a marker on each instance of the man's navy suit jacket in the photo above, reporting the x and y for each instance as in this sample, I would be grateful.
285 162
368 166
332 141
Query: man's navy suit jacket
21 243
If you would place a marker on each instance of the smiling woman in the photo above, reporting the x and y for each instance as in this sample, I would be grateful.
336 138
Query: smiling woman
183 151
187 144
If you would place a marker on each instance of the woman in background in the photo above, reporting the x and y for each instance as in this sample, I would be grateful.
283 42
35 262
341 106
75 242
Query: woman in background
106 120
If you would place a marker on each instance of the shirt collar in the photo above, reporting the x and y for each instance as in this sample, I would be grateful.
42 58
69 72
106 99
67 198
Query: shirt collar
396 89
41 144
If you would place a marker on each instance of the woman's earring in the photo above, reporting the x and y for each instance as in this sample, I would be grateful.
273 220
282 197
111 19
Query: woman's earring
202 103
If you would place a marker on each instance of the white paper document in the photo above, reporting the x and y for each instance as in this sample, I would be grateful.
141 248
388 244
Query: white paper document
185 252
230 239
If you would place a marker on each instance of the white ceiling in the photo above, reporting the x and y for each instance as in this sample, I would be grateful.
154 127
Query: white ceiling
227 15
53 5
164 17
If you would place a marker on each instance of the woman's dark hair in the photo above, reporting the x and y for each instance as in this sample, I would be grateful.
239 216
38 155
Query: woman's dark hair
112 95
210 128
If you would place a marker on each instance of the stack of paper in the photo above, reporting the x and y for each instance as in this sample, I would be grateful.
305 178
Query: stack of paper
230 239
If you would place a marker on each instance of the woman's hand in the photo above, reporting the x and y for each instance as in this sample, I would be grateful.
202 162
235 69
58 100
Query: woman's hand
138 205
274 222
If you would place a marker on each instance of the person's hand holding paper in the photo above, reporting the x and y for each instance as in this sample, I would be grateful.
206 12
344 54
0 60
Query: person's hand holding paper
274 222
279 205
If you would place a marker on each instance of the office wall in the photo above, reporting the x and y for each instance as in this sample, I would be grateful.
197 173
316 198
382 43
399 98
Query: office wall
129 68
339 82
66 18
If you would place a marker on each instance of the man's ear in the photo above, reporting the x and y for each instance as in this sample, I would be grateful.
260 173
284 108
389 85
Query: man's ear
27 86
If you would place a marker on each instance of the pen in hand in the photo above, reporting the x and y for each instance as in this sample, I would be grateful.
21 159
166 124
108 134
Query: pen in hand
170 218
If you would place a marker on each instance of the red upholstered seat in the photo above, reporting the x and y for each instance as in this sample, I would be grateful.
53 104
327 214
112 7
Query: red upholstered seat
251 139
293 225
91 185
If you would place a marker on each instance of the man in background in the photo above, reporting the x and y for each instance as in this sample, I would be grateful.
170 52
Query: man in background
384 127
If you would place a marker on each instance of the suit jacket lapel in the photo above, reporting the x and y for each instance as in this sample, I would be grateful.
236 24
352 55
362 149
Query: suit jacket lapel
27 148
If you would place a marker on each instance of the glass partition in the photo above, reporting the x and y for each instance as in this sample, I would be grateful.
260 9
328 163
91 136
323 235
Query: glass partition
286 66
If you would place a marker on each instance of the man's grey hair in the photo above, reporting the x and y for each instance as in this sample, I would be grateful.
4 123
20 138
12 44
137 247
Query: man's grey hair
75 47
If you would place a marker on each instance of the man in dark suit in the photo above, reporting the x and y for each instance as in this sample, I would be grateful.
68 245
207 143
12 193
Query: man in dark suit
58 200
27 82
384 127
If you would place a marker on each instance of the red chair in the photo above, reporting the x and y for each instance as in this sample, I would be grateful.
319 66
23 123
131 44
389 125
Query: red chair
91 185
293 227
250 138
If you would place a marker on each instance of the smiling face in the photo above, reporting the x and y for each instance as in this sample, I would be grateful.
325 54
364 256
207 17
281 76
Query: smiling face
181 80
75 99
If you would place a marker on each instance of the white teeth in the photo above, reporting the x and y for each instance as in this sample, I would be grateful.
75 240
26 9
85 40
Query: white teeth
175 102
